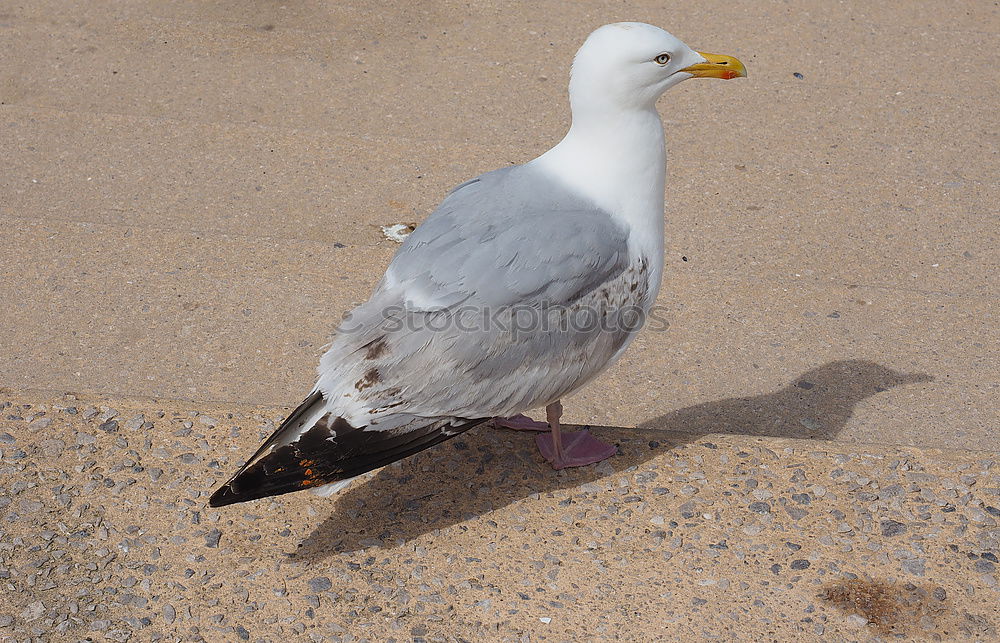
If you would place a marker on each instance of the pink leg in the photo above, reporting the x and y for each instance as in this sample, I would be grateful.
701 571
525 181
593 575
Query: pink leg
520 423
570 448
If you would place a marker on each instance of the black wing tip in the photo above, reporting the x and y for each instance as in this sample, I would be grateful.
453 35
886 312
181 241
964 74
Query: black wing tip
252 482
223 496
313 460
227 495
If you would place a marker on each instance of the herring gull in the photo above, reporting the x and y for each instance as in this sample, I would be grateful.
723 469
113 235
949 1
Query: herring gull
520 288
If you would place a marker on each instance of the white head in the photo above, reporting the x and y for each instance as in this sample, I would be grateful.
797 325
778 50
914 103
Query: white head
628 65
614 153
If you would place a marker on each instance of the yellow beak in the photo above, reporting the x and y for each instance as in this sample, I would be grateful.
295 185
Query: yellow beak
717 66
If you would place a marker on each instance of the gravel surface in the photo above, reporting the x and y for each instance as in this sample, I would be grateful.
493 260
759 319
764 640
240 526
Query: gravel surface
105 535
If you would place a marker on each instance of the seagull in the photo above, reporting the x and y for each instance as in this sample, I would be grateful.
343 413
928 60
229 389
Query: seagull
521 287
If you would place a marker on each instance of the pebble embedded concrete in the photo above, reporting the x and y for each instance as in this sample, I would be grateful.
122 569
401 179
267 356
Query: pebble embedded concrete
106 534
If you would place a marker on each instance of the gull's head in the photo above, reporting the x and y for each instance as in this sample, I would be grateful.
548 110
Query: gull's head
628 65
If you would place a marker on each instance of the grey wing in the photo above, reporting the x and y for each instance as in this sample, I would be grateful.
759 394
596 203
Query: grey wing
494 305
508 238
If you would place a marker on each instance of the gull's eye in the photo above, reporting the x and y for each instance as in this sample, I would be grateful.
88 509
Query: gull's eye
662 59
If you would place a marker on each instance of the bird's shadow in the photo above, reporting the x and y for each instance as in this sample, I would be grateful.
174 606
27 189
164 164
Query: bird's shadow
486 469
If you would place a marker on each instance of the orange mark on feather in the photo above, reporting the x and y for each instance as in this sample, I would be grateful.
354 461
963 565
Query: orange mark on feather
311 479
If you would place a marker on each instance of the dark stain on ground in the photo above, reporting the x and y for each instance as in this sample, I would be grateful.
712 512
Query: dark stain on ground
878 602
903 610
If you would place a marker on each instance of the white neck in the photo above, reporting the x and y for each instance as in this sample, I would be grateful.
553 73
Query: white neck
619 164
618 160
